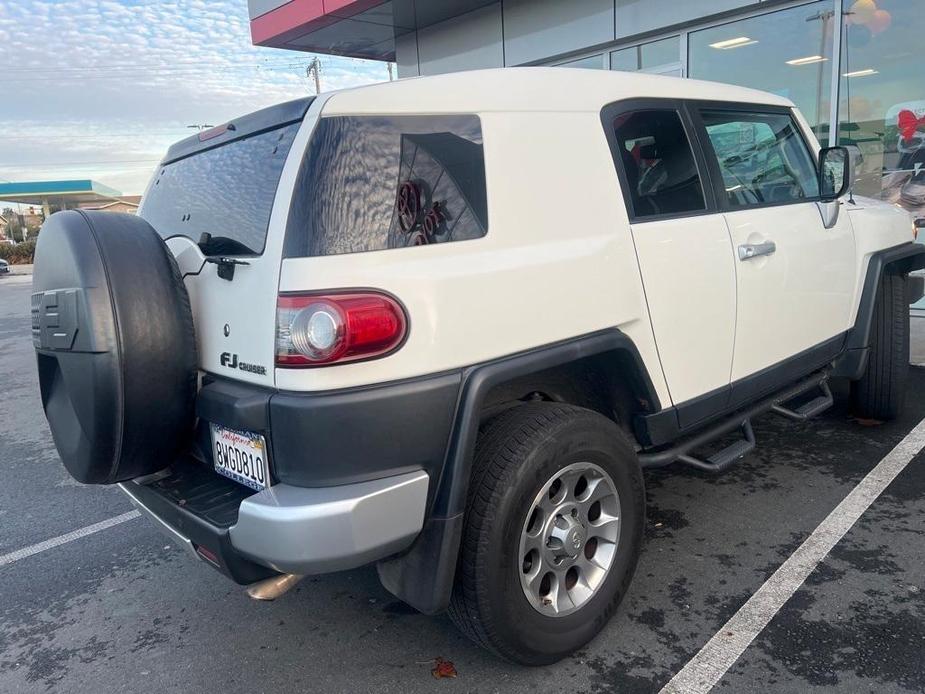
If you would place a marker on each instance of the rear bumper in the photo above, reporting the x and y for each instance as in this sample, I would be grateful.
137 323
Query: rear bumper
305 531
284 528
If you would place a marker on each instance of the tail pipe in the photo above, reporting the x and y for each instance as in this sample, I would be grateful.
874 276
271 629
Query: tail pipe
273 587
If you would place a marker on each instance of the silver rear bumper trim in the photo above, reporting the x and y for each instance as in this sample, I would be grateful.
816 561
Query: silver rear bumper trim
315 530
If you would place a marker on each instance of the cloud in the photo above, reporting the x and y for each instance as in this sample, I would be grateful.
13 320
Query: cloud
100 88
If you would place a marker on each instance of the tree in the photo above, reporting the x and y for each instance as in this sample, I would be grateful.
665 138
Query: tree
14 227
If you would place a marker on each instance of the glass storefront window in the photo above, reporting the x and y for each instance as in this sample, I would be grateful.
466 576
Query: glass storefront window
882 99
593 62
647 56
787 52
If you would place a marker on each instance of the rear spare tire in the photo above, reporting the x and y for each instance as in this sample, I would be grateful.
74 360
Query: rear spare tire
116 351
881 391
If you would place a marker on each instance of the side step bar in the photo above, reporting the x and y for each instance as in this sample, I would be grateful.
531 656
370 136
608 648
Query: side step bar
726 458
809 409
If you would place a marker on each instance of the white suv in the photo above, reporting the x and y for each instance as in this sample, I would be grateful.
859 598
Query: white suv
443 324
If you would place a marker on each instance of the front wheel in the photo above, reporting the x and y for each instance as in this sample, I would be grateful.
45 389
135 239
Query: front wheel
554 527
881 391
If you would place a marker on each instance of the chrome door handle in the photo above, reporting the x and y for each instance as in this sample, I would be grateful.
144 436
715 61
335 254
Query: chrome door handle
753 250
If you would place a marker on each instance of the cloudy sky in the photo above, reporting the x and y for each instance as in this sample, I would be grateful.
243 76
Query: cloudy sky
99 88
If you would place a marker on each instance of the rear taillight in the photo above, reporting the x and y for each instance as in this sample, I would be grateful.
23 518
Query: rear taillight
323 329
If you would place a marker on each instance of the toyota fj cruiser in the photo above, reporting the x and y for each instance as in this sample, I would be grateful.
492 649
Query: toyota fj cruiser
443 324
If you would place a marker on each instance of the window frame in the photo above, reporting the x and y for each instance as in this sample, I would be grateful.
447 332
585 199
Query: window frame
611 111
696 108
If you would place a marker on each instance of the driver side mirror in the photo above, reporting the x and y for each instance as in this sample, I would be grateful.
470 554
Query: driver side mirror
834 172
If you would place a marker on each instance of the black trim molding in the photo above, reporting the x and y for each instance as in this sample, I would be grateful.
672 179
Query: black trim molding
900 259
673 422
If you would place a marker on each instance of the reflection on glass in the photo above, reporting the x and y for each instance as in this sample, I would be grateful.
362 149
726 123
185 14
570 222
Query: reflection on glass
658 164
762 157
786 52
647 56
882 109
226 191
833 163
371 183
592 62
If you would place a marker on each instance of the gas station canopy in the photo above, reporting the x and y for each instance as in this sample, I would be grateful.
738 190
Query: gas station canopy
61 195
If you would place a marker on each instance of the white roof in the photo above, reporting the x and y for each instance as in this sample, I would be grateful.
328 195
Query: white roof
530 89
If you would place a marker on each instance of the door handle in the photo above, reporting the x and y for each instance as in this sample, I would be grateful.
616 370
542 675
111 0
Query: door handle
753 250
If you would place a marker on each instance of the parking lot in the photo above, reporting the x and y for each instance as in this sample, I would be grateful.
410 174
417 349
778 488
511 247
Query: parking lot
120 609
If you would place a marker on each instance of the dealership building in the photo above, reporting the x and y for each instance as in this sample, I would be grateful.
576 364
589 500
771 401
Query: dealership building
852 66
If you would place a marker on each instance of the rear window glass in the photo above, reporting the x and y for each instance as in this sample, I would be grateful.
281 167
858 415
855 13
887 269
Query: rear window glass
370 183
227 192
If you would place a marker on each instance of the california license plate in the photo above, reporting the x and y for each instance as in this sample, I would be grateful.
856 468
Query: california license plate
241 456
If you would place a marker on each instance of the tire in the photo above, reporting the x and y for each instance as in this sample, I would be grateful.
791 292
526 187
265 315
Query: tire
880 393
518 454
115 345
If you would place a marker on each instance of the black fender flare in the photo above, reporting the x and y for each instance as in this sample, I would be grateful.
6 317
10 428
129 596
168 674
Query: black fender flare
898 260
423 576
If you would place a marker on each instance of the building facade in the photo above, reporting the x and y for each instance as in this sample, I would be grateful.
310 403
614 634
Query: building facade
850 65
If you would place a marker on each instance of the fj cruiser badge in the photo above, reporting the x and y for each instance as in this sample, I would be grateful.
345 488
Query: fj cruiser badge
231 361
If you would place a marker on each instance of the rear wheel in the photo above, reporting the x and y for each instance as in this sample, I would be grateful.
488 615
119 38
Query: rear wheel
881 391
553 532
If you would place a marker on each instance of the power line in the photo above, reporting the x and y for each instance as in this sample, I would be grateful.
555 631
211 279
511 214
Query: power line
80 163
172 65
142 132
137 65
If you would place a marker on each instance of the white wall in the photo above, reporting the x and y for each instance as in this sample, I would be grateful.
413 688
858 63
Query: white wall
468 42
537 29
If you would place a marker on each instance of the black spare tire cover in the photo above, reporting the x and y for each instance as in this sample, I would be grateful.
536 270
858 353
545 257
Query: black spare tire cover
113 334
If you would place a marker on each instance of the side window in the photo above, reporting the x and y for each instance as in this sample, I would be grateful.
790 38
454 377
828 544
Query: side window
762 157
370 183
656 156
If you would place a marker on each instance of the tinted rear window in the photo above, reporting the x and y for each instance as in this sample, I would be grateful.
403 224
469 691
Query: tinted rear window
227 192
370 183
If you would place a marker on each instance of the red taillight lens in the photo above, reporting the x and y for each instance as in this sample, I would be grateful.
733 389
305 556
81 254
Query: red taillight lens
322 329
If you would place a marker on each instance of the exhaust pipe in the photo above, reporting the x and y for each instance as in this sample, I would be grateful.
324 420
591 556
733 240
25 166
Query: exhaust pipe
273 587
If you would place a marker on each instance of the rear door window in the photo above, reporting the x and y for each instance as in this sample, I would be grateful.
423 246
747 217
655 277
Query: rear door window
762 157
226 192
660 171
371 183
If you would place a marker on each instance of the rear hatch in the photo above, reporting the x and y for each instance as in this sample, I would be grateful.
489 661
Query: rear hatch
220 200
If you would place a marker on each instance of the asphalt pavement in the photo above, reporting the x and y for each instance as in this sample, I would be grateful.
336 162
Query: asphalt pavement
122 610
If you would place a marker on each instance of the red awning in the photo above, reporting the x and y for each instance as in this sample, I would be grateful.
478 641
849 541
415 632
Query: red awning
355 28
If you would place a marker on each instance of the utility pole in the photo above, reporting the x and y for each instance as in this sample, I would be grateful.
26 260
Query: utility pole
314 70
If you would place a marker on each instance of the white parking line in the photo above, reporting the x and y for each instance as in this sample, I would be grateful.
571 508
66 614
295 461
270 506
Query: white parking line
706 668
13 557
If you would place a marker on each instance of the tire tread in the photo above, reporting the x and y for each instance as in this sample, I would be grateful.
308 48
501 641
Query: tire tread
503 442
880 392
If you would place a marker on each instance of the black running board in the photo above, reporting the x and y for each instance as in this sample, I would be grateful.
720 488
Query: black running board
724 459
727 457
810 409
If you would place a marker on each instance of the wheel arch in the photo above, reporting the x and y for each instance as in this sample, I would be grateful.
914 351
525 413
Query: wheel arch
423 576
899 260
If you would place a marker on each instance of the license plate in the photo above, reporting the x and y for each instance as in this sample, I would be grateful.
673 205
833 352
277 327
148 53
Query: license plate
241 456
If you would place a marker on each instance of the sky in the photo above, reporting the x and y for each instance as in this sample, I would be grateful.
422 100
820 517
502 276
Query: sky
100 88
